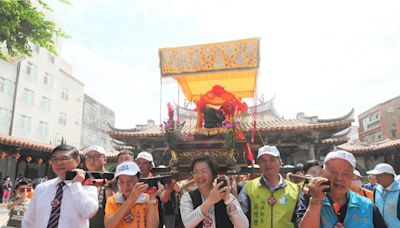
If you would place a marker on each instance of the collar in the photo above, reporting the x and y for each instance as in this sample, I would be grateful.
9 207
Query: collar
265 183
388 188
351 201
67 182
119 198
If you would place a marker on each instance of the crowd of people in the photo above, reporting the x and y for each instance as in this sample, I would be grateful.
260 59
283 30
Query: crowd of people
331 194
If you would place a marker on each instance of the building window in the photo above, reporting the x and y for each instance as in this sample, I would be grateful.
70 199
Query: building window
62 119
5 86
31 71
50 57
28 96
365 123
4 116
374 117
25 122
43 127
45 104
48 80
64 94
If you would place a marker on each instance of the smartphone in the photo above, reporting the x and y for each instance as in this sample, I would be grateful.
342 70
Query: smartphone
222 179
327 189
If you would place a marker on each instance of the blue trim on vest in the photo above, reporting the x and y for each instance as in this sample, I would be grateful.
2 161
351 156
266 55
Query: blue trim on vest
388 205
359 212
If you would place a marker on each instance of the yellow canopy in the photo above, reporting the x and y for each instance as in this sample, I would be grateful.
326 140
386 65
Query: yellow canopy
232 65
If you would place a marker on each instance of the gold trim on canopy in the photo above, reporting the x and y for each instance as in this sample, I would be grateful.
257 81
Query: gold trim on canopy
233 65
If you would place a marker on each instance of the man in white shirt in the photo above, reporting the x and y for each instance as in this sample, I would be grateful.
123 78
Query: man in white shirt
63 205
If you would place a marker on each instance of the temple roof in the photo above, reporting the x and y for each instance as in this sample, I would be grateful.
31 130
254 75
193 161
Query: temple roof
267 119
23 143
358 147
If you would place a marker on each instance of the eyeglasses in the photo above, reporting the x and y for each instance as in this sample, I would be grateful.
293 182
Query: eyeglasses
61 159
200 172
22 190
94 158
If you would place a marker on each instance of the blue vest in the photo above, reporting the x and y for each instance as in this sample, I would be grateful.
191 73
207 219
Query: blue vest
359 212
388 205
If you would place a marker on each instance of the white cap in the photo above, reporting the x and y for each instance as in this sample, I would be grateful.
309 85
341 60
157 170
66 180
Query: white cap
358 174
146 156
271 150
127 168
382 168
341 154
96 148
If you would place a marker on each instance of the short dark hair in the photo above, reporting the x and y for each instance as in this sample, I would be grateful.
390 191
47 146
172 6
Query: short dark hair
23 181
311 163
210 162
125 152
67 148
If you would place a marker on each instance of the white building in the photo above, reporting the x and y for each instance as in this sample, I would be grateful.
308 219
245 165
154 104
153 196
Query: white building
40 100
95 120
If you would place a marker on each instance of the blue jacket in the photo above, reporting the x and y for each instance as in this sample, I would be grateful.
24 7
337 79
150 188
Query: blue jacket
388 205
359 212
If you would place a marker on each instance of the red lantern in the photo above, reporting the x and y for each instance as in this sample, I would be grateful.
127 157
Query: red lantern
17 156
28 159
39 161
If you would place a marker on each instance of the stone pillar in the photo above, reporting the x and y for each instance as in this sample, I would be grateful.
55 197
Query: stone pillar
311 152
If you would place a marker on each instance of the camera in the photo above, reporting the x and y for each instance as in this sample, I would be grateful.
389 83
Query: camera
153 181
224 180
95 176
327 189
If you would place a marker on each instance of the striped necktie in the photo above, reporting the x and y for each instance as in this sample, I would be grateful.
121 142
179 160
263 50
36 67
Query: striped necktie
56 207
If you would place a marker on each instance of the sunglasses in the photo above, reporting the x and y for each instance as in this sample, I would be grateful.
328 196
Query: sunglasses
22 190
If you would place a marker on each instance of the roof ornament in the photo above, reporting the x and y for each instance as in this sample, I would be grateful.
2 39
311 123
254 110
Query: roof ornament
63 144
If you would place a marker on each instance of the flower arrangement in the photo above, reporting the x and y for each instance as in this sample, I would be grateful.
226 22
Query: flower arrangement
170 128
229 136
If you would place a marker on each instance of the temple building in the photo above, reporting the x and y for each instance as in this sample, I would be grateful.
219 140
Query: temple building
370 154
299 139
24 157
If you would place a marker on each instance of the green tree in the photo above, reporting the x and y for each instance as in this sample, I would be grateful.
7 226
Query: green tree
23 24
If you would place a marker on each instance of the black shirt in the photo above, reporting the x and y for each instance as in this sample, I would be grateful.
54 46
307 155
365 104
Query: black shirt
304 201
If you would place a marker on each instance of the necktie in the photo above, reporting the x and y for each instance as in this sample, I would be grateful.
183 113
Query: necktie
56 207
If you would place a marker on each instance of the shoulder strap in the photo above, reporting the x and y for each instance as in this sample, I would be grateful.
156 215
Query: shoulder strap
365 193
221 215
374 194
398 207
196 201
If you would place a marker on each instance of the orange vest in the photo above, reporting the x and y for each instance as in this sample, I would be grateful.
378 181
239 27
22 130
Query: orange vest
366 193
137 216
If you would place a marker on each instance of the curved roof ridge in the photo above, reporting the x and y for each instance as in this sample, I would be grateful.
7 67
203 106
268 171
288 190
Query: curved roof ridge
348 116
342 133
121 129
139 127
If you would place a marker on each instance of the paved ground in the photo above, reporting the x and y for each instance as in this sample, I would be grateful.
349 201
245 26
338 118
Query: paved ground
3 215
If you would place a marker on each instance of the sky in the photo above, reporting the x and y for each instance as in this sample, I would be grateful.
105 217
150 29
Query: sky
322 58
